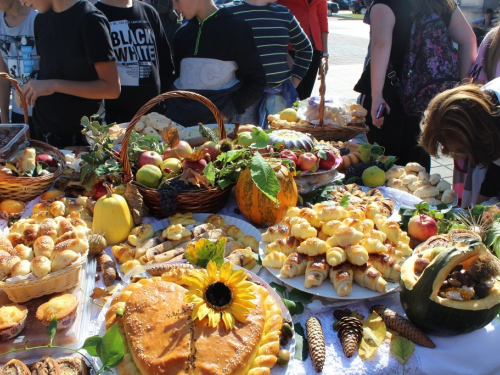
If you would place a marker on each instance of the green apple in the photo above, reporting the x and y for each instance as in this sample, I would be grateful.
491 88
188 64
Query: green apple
149 175
246 139
171 167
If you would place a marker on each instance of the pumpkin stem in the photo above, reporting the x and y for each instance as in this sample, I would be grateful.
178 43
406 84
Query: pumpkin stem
109 193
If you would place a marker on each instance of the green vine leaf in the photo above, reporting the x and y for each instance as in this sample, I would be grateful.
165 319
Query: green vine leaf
280 289
51 330
209 172
299 296
301 347
91 344
264 177
112 348
402 349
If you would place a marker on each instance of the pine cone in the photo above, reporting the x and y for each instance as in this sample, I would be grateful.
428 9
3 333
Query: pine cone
350 333
402 326
316 342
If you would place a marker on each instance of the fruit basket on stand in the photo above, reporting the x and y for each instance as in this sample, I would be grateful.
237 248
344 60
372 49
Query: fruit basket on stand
322 131
199 200
28 188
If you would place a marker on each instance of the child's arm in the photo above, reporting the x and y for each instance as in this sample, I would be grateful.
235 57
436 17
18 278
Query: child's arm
4 94
303 51
107 86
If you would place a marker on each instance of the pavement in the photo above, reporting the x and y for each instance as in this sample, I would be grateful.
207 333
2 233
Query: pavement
347 46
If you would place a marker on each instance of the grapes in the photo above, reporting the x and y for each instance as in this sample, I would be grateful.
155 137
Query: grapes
356 170
379 164
344 151
169 191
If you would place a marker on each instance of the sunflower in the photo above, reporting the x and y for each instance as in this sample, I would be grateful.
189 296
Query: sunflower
220 295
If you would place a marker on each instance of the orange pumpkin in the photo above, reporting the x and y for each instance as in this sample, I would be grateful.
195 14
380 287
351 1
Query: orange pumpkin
256 206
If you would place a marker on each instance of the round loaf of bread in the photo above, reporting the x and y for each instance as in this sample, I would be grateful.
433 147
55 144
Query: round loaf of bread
163 339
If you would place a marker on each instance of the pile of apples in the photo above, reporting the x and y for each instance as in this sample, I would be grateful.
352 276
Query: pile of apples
154 168
310 162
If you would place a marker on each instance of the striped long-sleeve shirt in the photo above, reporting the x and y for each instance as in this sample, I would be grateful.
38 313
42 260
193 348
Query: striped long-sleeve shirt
274 27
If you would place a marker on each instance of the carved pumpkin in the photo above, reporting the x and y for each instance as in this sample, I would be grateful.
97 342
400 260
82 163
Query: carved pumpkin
256 206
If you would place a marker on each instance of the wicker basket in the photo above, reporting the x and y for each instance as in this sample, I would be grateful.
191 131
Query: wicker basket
24 290
204 200
28 188
329 132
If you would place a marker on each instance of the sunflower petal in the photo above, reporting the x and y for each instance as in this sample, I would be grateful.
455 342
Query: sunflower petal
197 281
225 271
237 314
237 277
228 319
193 298
200 311
212 271
213 318
247 304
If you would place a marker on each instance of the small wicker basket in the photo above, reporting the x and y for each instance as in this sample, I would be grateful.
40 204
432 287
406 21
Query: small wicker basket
203 200
28 188
329 132
24 290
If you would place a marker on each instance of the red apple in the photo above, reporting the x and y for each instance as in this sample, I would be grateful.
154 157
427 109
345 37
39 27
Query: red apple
421 227
212 149
198 166
265 151
289 154
47 159
180 151
329 162
150 157
99 190
307 161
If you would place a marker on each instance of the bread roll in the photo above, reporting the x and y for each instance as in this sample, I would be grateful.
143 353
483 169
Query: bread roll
5 244
30 234
78 245
43 246
40 207
423 176
394 172
275 232
345 236
313 246
356 254
63 225
15 367
449 196
434 179
22 268
295 264
410 179
316 271
415 185
234 232
414 167
216 220
6 265
250 241
341 277
303 230
40 266
63 259
41 216
57 208
329 228
335 256
48 227
244 258
72 366
274 259
15 238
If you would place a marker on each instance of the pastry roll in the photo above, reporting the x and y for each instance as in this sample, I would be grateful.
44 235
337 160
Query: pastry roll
373 246
57 208
404 238
292 212
40 266
15 239
22 268
434 179
48 227
311 216
414 167
449 196
251 242
5 244
41 216
393 253
354 223
182 218
313 246
376 234
244 258
369 277
345 236
122 253
78 222
216 220
394 172
330 227
15 367
356 214
391 229
295 265
303 230
71 235
316 271
27 162
73 207
330 212
78 245
128 265
21 225
43 246
6 265
24 252
284 245
46 366
335 256
63 259
387 266
404 248
30 234
202 228
234 232
231 246
275 232
144 232
63 225
274 259
341 277
367 225
356 254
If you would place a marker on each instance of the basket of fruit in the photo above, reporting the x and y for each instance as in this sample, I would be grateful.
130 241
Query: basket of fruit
29 167
345 121
188 198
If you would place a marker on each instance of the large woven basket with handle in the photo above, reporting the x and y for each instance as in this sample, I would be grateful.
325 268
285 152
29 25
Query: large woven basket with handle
28 188
201 200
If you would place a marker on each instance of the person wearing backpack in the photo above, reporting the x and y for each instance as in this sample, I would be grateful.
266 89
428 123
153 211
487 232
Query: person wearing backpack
391 26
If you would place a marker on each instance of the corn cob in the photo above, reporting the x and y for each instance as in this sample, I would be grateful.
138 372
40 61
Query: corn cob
402 326
316 342
463 293
350 333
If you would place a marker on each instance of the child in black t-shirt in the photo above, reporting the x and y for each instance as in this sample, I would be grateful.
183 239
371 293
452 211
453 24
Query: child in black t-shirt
143 56
77 69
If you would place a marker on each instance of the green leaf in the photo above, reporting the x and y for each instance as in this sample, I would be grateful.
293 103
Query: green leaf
322 154
262 138
301 347
204 250
299 296
290 305
85 121
91 344
112 347
234 154
314 169
257 259
224 182
280 289
351 180
377 151
402 349
391 160
492 238
51 330
209 172
344 202
264 177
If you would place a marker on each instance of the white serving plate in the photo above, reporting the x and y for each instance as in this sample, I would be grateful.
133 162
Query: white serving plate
290 346
326 289
194 131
